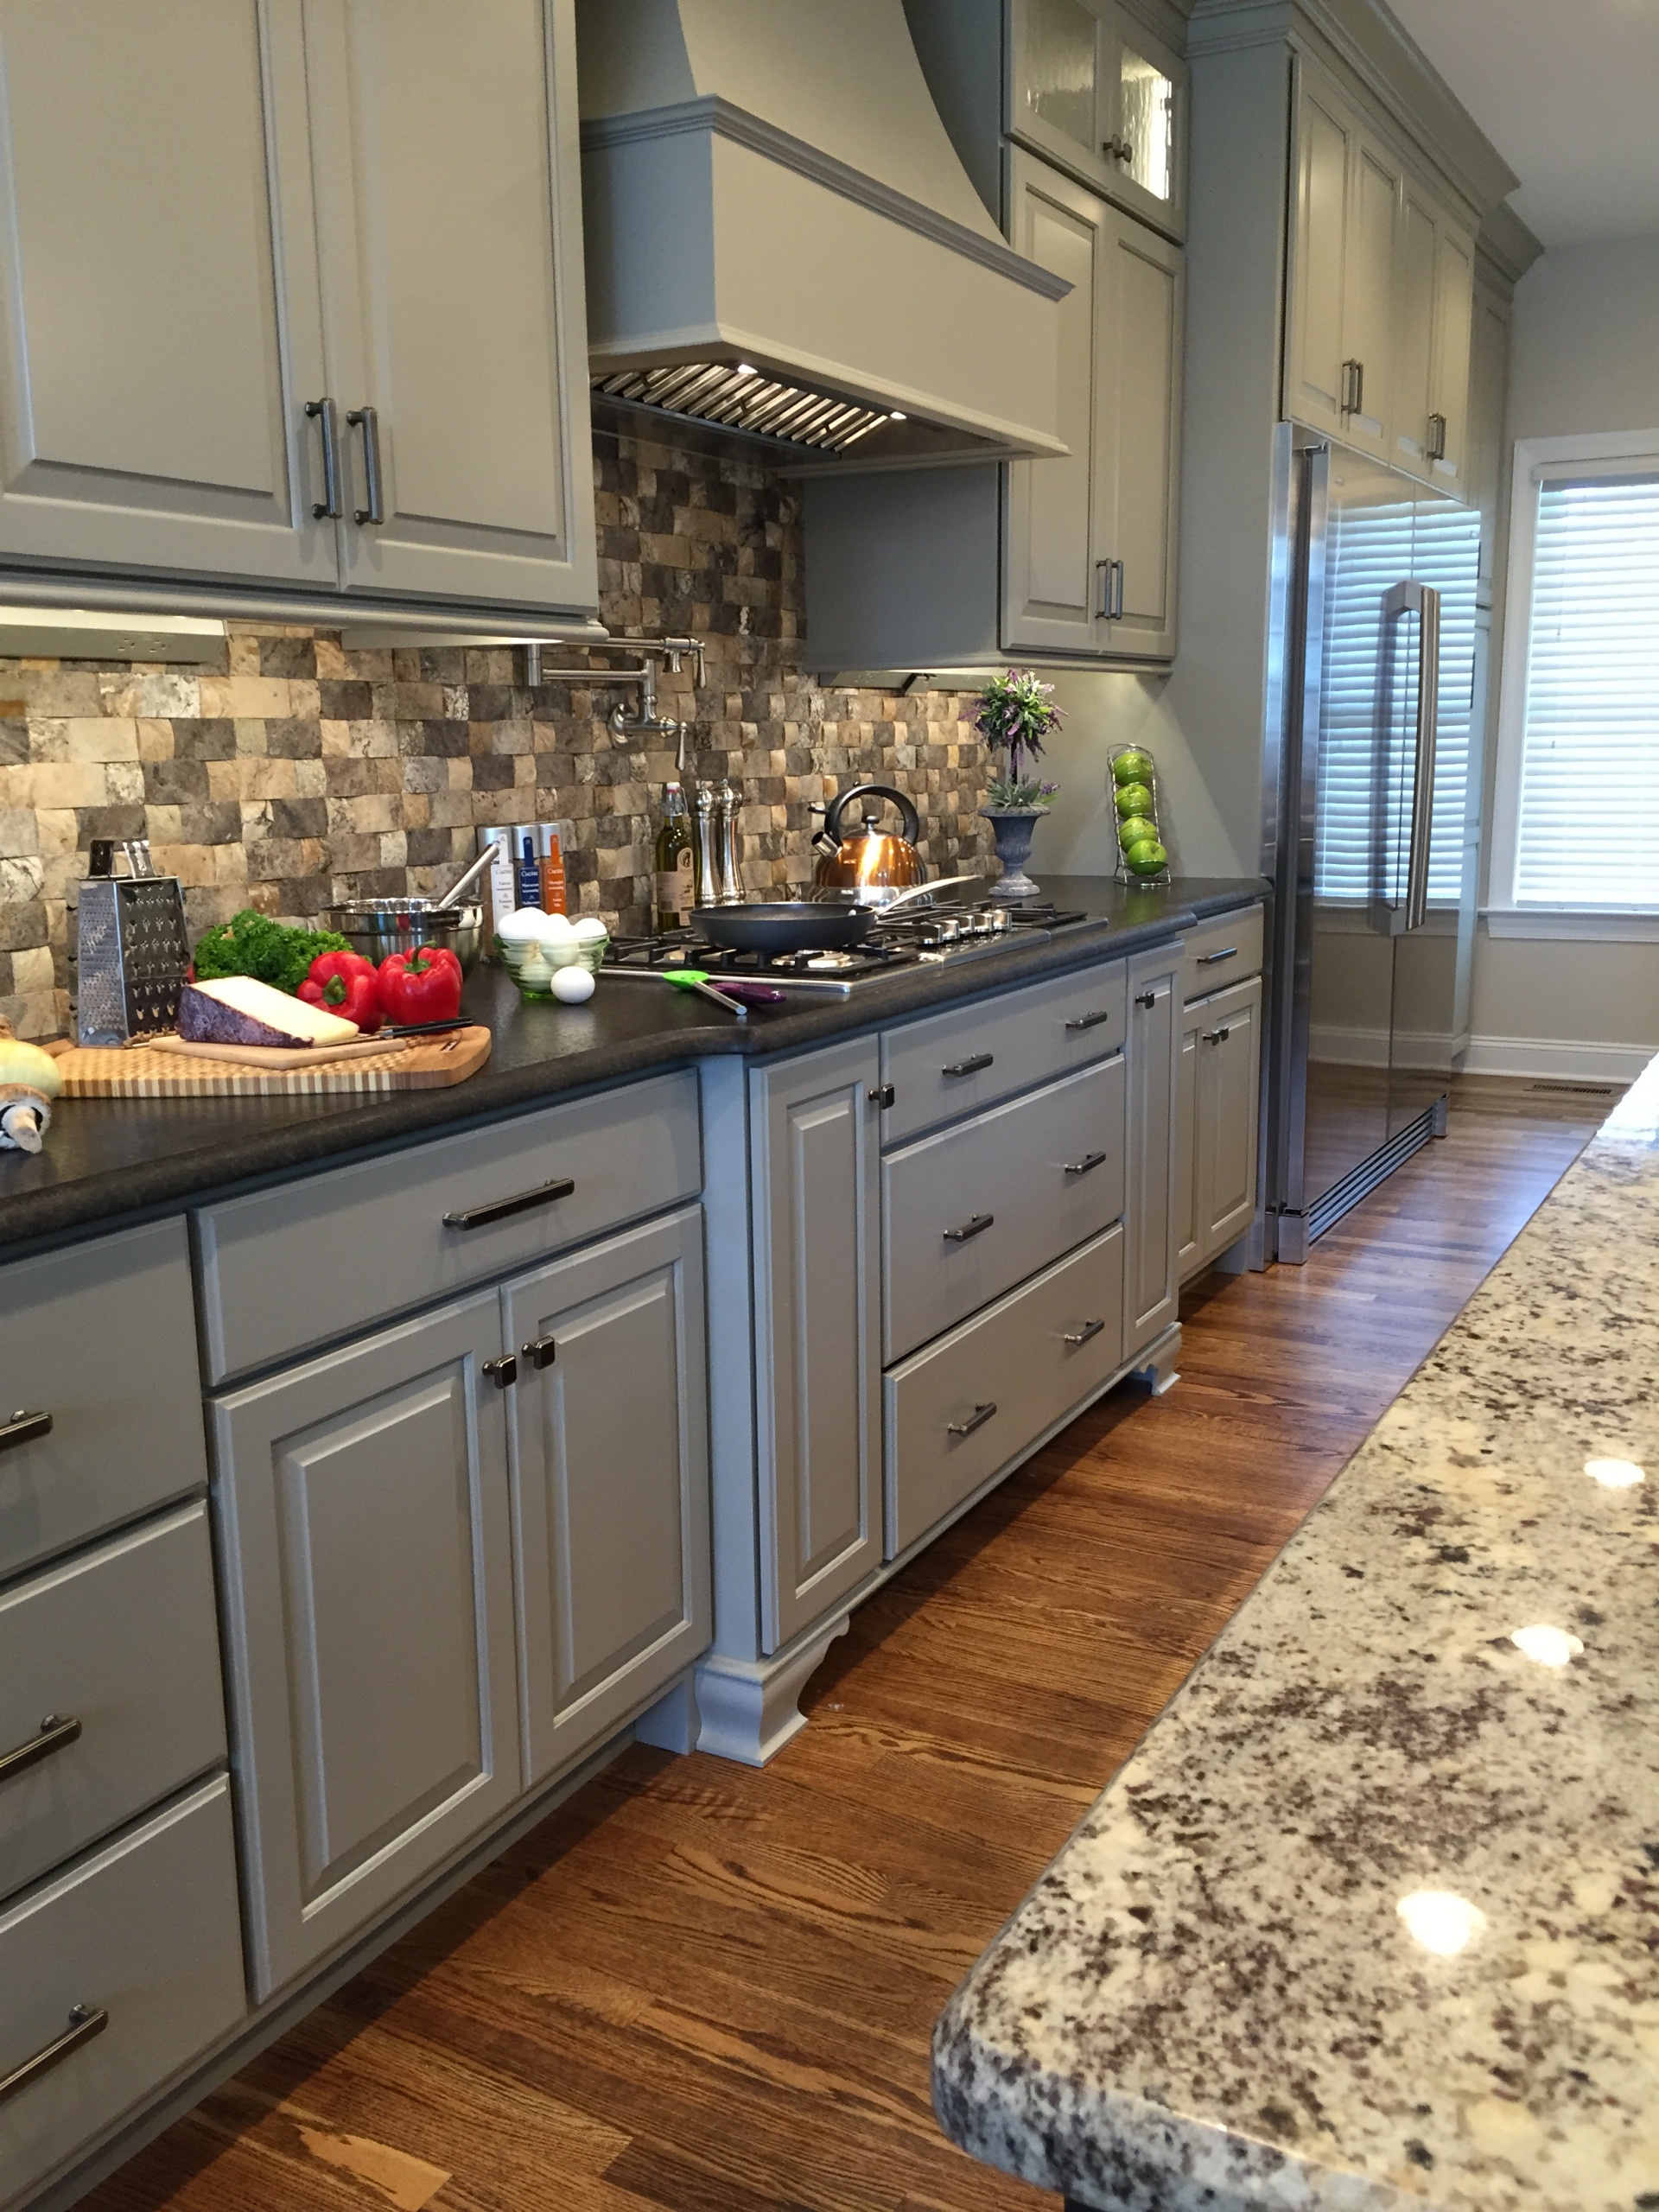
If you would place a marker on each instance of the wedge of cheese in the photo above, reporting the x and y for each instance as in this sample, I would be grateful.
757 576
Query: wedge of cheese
237 1010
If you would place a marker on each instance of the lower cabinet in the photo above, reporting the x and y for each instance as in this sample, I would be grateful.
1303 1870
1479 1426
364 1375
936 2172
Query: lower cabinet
1152 1292
610 1482
1217 1122
366 1575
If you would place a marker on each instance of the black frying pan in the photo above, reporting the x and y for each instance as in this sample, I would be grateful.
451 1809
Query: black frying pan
783 925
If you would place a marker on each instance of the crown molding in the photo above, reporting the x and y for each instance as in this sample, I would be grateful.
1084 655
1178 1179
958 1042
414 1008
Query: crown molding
1505 248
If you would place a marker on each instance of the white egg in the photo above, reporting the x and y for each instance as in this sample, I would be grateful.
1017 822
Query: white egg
535 971
572 985
557 929
522 926
590 929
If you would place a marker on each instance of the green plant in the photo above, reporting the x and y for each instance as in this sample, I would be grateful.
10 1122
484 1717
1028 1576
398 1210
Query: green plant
1015 713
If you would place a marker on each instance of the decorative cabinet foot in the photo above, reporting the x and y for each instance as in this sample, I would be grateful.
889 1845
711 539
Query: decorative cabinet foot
1157 1365
671 1724
748 1708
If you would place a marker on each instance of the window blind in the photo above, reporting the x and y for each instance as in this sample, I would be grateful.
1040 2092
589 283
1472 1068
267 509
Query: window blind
1587 828
1366 743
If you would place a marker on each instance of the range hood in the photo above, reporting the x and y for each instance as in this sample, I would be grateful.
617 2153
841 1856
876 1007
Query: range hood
781 239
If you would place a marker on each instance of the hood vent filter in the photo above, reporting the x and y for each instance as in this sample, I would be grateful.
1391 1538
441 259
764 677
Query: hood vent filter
741 398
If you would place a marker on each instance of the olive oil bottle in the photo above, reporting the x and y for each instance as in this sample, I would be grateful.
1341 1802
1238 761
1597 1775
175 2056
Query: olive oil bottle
675 865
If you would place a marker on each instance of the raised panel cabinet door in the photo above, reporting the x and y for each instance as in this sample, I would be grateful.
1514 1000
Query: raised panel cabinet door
1414 332
1228 1095
1140 351
1454 307
449 215
817 1294
1368 298
1186 1147
1152 1294
1051 586
160 329
609 1435
367 1580
1326 135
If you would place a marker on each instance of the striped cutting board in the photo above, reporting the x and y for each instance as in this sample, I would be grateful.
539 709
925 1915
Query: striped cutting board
149 1071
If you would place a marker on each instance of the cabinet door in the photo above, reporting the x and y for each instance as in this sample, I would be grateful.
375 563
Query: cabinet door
1096 91
1151 1299
366 1573
159 318
1187 1146
1454 304
1413 331
1327 138
1229 1066
449 207
817 1295
1058 512
1368 297
1140 353
610 1483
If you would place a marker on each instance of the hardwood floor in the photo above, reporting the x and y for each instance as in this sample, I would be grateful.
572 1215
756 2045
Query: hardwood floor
705 1989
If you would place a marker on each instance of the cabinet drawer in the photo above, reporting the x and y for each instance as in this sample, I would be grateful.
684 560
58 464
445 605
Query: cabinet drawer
102 1337
968 1405
1040 1174
124 1641
960 1062
146 1932
323 1258
1222 951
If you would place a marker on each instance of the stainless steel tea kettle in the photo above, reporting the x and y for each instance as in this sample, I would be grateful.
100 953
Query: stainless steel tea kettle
869 865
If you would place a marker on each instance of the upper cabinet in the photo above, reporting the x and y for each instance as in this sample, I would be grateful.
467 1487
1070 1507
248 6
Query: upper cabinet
1098 91
1377 345
328 337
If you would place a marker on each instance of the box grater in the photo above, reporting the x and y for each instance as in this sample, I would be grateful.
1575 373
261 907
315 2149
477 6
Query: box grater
134 956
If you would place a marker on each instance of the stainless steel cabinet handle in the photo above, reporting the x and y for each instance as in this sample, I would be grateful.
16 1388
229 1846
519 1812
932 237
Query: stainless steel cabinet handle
1436 437
1090 1020
1146 998
540 1351
1110 609
976 1227
323 411
1209 959
502 1372
85 2023
881 1094
367 420
1082 1336
1353 387
1116 149
969 1067
54 1734
498 1209
1087 1164
1118 573
1217 1036
978 1419
23 1427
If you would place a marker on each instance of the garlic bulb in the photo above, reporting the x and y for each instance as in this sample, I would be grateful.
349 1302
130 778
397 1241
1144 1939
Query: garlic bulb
30 1080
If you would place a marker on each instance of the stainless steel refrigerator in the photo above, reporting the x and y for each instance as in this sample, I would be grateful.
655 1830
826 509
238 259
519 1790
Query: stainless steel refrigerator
1376 670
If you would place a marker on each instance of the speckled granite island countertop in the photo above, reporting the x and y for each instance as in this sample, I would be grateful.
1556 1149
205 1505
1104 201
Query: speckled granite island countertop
1371 1918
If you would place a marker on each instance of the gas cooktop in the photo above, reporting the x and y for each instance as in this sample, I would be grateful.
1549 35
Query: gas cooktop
930 937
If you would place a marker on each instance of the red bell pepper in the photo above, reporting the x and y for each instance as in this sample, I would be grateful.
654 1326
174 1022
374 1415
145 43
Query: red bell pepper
420 986
346 984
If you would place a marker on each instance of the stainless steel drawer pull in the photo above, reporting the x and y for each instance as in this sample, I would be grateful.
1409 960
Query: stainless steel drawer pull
502 1372
1090 1020
1209 959
498 1209
540 1351
974 1227
23 1428
53 1736
1087 1164
1217 1036
978 1419
1146 998
969 1067
881 1094
85 2023
1082 1336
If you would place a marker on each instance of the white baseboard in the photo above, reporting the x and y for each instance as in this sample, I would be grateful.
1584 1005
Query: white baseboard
1371 1048
1555 1058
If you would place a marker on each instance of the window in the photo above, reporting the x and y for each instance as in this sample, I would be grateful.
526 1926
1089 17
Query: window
1577 827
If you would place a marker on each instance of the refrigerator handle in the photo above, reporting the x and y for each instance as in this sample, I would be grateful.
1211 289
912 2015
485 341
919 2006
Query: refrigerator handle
1424 601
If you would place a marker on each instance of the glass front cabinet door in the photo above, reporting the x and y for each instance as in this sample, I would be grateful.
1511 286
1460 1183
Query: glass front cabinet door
1101 95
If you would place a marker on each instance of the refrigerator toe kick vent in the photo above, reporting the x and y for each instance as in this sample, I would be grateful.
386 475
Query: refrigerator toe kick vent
1331 1204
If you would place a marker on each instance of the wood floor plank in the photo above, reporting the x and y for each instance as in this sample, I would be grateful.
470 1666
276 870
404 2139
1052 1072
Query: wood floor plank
700 1988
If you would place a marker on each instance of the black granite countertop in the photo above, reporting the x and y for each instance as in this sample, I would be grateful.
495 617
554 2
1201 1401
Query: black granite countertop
110 1162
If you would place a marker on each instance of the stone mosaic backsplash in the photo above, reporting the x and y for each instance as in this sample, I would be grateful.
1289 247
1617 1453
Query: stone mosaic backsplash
300 773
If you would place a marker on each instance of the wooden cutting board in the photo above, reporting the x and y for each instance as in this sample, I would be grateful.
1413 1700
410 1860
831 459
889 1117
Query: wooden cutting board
150 1072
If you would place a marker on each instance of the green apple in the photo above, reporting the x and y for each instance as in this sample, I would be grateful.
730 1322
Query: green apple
1147 858
1133 767
1137 831
1135 798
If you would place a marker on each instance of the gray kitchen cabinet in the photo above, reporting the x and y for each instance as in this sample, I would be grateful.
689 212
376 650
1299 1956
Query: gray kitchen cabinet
1152 1294
815 1197
1217 1122
1186 1115
366 1584
159 290
608 1433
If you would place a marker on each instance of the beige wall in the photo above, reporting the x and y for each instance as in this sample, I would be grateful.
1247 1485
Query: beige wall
1585 357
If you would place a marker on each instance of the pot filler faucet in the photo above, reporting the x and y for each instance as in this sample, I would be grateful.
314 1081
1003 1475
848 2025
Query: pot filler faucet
647 723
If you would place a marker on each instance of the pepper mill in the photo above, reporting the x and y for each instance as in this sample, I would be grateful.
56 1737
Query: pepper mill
726 806
706 847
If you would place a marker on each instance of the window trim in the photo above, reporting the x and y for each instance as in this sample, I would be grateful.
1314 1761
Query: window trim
1596 451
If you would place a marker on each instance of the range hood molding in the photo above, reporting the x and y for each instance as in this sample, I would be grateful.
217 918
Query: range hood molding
715 235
